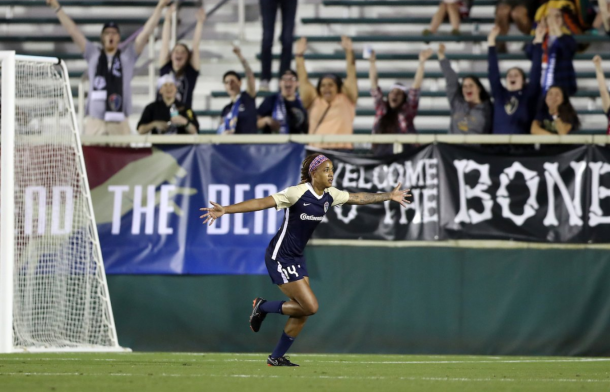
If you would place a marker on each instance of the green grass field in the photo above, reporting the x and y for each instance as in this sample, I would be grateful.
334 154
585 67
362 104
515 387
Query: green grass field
178 372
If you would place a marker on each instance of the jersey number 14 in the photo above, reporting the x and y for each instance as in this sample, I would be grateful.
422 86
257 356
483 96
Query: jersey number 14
291 270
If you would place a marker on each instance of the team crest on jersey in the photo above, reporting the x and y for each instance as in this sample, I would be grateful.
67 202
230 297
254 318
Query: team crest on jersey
325 207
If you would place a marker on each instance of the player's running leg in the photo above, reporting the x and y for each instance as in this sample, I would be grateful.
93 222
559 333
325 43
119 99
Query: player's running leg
303 303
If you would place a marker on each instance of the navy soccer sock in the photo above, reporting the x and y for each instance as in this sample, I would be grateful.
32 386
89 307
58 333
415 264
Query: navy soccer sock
272 307
282 346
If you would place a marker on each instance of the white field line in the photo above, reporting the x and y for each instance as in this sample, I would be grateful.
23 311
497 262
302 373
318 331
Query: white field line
55 359
428 362
312 377
327 355
575 360
458 362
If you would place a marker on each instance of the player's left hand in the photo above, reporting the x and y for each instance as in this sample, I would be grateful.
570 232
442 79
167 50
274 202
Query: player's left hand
400 195
212 213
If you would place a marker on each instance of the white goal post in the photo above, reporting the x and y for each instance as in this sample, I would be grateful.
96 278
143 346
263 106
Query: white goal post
53 290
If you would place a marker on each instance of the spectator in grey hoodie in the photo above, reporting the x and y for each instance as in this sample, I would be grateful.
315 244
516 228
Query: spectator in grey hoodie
471 108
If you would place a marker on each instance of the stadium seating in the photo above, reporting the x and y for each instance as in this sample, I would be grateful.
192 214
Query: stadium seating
392 28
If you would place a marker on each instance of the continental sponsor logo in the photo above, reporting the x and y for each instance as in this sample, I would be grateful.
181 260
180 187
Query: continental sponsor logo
311 217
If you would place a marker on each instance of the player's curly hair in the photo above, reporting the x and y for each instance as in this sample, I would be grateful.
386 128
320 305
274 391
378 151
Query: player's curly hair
305 175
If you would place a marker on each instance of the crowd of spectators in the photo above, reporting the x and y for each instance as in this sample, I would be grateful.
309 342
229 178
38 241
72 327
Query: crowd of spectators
536 102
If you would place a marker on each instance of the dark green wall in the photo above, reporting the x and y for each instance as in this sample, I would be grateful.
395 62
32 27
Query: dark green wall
387 300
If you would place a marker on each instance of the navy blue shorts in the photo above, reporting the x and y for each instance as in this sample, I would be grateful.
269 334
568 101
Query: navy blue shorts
282 272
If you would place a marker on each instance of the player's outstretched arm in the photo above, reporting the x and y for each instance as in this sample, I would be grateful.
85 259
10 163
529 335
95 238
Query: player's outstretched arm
245 206
398 195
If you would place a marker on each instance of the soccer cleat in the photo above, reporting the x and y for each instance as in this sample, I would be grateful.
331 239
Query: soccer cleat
257 316
281 361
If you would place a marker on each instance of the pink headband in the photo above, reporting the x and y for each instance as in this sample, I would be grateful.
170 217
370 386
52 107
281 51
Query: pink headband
317 162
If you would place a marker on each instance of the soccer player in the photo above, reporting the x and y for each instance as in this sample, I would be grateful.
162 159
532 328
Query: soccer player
305 204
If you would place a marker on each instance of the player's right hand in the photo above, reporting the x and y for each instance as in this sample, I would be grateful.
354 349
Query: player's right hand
212 213
53 3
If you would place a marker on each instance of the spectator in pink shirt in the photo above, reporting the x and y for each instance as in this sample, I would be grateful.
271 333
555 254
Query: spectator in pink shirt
396 113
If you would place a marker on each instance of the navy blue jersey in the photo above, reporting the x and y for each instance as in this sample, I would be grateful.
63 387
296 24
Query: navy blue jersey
304 211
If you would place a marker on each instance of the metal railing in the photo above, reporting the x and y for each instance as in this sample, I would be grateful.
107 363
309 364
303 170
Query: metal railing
396 139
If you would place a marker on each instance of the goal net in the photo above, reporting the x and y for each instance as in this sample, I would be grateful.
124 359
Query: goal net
53 291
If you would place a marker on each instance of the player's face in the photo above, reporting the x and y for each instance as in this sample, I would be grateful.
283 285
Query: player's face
514 80
110 39
324 174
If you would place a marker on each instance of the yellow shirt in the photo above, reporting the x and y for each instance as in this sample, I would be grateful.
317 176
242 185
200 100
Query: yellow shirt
338 121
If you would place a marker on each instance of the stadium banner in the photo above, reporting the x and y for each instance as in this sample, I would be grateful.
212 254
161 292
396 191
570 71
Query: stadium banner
417 170
146 203
147 200
462 192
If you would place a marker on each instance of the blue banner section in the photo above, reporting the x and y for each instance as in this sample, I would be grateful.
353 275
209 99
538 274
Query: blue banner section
147 206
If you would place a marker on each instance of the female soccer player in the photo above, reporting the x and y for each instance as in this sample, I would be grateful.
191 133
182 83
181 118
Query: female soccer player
305 204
